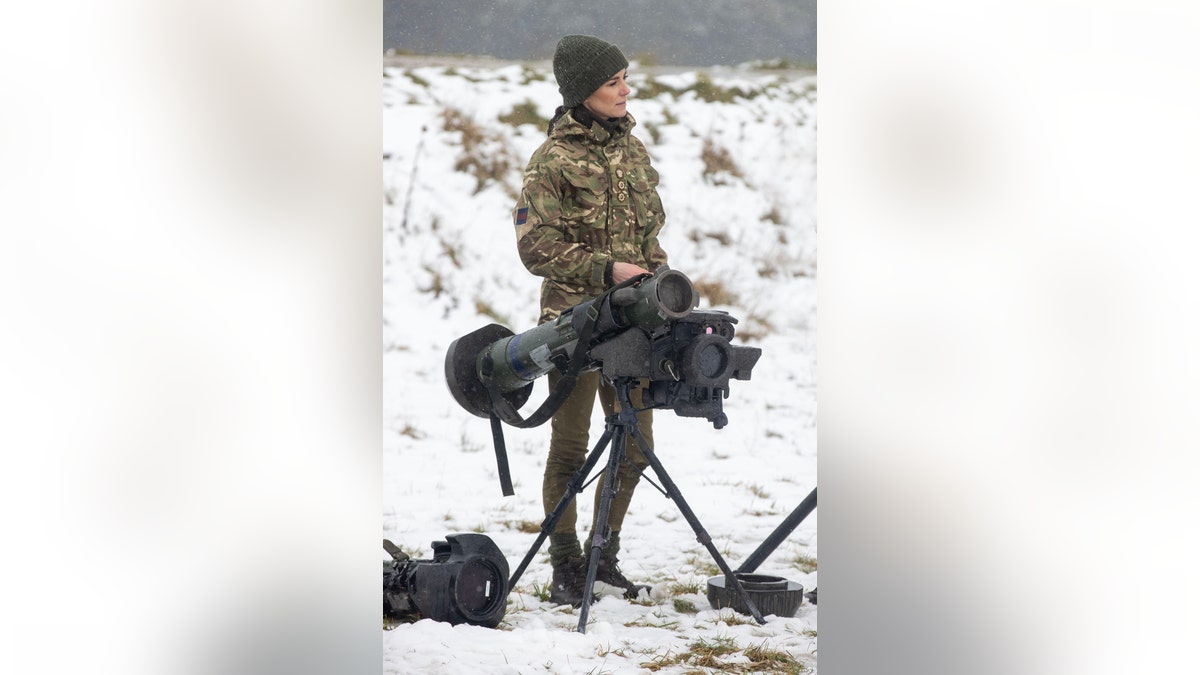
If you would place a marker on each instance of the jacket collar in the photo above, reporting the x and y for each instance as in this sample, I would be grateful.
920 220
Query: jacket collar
568 126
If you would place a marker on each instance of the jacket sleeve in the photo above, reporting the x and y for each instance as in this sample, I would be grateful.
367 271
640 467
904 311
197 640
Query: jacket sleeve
652 251
542 243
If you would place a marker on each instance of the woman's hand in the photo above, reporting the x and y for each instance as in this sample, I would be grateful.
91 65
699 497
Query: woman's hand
625 271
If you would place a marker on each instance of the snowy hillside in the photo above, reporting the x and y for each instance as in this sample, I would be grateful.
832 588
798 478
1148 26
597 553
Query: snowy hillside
736 153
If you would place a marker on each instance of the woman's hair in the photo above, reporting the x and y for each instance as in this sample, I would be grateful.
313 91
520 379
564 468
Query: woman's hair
558 113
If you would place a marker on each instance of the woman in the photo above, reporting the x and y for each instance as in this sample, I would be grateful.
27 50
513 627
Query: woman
588 217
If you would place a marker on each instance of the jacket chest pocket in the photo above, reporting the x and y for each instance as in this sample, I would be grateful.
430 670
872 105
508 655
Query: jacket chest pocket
643 184
585 205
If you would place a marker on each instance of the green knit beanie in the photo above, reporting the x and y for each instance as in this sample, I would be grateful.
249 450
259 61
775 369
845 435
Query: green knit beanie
582 63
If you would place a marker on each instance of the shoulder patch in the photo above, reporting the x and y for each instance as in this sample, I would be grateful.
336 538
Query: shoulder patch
522 215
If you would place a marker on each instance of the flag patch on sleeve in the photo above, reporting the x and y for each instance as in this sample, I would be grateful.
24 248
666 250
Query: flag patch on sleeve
522 214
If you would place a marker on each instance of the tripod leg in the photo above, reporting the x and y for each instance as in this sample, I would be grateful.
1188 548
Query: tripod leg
776 538
601 531
701 535
574 488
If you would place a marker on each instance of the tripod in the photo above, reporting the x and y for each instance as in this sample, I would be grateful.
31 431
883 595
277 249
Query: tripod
617 429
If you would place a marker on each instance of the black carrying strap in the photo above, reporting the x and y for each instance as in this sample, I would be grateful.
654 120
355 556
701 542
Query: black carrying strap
503 410
506 485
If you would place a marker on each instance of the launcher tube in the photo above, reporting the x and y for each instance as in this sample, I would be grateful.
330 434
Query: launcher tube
513 362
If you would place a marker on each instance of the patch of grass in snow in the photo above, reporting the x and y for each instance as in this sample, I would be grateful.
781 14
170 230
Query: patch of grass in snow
514 602
758 491
702 653
681 588
722 654
779 262
542 591
722 238
525 112
731 618
451 252
772 510
604 651
703 564
715 292
654 131
410 431
806 563
704 88
484 308
531 75
436 285
653 621
706 650
651 87
417 79
755 327
485 156
684 606
707 90
779 64
718 163
764 659
526 526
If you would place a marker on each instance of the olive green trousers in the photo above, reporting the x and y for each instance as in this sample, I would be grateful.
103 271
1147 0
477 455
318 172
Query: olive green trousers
569 446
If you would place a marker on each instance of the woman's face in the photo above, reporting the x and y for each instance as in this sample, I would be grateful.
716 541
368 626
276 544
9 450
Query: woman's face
609 100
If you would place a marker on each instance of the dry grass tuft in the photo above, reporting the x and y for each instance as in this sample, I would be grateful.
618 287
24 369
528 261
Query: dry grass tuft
484 156
718 163
806 563
715 292
525 112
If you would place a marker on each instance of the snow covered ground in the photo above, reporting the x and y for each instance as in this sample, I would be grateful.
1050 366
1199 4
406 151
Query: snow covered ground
744 232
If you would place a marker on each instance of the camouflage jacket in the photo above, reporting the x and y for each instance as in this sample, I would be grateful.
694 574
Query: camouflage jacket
589 198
